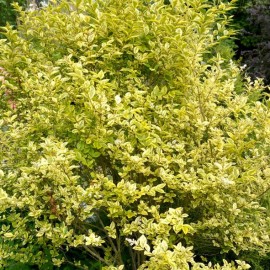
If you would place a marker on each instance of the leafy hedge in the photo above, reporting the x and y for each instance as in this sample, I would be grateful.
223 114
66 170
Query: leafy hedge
125 143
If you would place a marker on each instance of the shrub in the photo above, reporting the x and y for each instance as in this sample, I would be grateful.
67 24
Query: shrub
127 145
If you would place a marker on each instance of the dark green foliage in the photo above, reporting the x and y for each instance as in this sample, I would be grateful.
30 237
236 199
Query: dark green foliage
252 18
7 12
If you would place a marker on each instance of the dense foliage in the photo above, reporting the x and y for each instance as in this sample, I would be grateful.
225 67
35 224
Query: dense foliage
7 12
252 20
127 141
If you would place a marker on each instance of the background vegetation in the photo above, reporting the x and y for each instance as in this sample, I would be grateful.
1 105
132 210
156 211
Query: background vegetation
8 14
252 18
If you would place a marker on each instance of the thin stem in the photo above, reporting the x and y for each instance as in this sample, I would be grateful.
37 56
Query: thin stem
138 258
69 262
118 241
96 255
109 238
142 257
260 195
132 258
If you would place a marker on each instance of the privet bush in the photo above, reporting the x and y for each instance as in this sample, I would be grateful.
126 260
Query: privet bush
124 144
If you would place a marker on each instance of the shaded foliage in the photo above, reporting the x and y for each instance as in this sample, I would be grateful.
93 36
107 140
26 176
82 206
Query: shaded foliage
8 14
252 19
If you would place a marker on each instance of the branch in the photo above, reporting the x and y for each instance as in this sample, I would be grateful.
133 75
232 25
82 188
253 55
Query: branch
109 238
95 255
132 258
